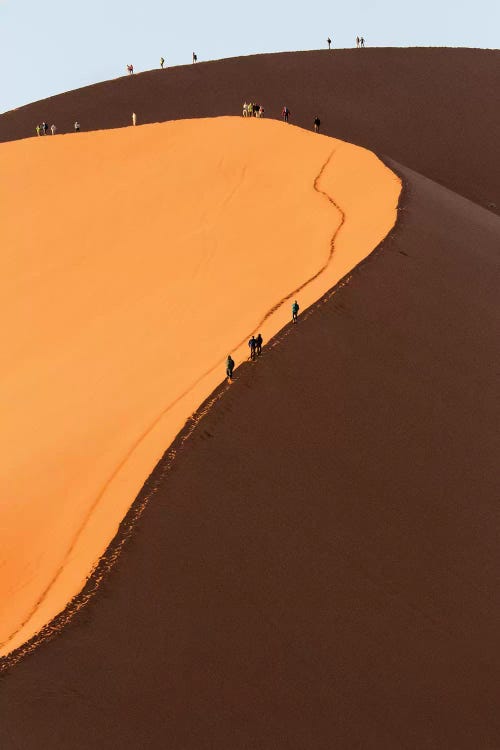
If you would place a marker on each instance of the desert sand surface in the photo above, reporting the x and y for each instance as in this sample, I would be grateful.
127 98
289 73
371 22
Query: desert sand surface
320 567
314 562
432 109
134 261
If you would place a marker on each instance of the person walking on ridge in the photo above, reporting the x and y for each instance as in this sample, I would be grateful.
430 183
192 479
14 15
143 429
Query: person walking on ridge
252 344
53 129
162 62
77 127
134 119
317 123
229 367
295 311
258 344
195 57
329 42
362 41
285 113
38 130
130 69
357 41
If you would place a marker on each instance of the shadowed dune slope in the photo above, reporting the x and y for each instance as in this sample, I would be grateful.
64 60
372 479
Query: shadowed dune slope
162 248
320 567
434 110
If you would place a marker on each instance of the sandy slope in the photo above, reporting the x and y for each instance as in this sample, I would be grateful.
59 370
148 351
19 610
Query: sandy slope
133 261
433 109
320 569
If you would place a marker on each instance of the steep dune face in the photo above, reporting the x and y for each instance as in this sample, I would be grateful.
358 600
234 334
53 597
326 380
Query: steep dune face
434 110
133 262
320 569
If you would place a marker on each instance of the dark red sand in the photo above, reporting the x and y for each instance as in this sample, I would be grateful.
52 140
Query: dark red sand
319 569
434 110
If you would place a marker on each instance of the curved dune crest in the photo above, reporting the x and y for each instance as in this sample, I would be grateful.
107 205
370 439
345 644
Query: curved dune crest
133 262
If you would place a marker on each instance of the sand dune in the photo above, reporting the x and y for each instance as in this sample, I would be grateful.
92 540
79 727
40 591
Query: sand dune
320 567
136 260
434 109
317 565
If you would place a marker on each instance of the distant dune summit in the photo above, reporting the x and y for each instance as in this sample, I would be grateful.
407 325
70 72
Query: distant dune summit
432 109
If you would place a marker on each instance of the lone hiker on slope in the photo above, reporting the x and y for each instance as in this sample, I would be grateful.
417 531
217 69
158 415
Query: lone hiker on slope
285 113
295 311
329 42
229 367
162 62
252 344
317 123
258 344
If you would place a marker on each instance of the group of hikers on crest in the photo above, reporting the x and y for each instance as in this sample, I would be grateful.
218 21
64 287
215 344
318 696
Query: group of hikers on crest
255 345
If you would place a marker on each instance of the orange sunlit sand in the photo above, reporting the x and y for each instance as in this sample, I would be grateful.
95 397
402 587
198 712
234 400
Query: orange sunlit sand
133 262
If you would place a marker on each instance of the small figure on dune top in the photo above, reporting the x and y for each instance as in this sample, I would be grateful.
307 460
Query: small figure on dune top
285 113
77 127
162 62
130 69
229 367
295 311
195 57
317 123
329 42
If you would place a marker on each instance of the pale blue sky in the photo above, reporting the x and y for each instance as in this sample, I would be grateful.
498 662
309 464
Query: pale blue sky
50 46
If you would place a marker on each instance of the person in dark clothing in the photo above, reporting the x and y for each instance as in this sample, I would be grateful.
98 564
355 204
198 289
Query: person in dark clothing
229 367
195 57
258 344
295 311
162 62
329 42
317 123
252 344
285 113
